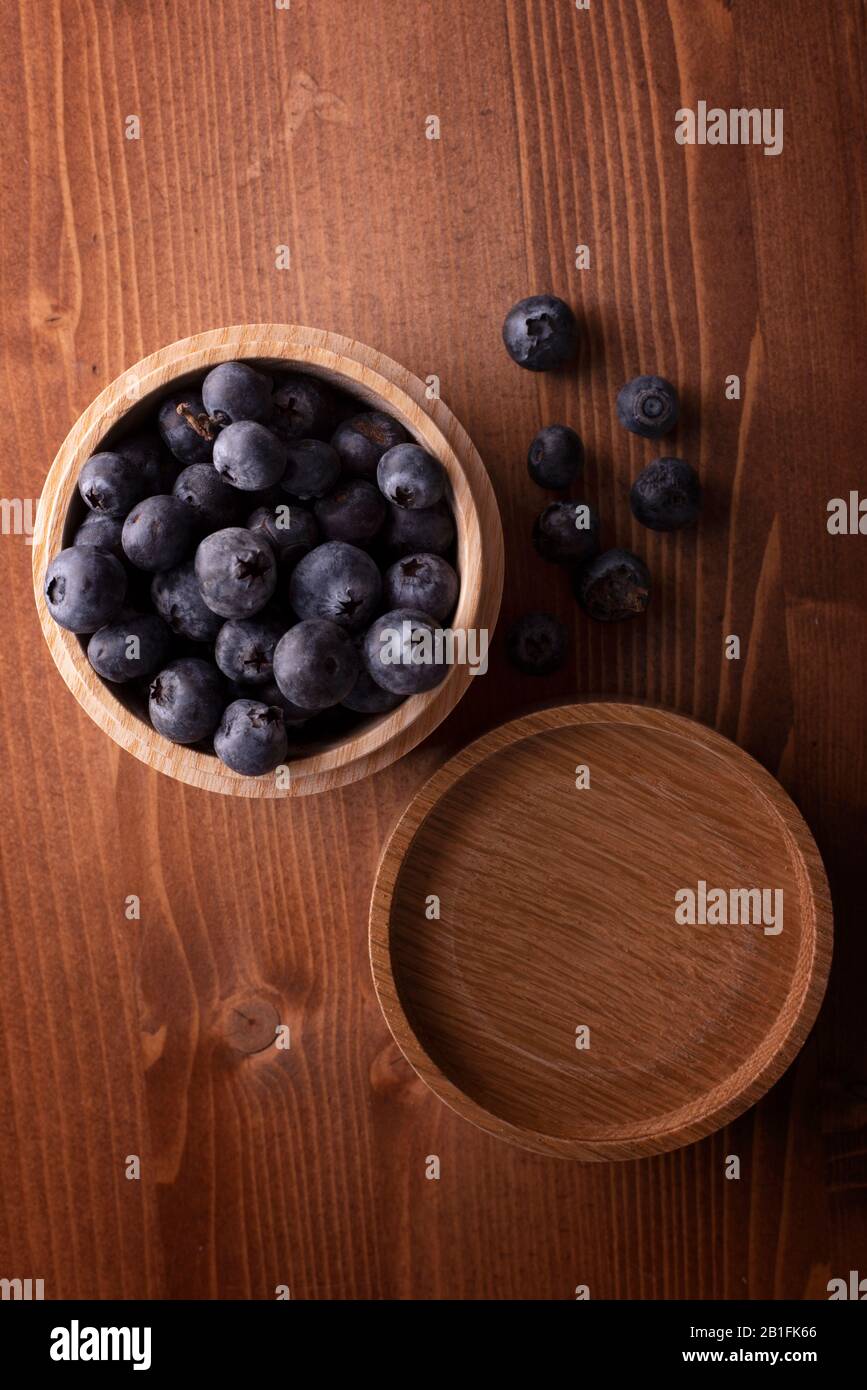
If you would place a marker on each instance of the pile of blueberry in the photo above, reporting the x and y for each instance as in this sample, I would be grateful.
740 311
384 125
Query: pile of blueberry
540 334
238 567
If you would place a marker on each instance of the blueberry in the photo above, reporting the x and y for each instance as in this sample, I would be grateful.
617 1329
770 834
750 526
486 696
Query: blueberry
556 457
235 391
648 406
111 484
316 664
186 700
362 440
251 738
431 529
214 504
666 495
301 406
236 570
536 644
410 477
186 427
567 533
244 650
249 456
271 694
287 527
178 600
353 512
613 586
423 582
338 582
135 644
158 533
401 654
366 697
84 588
102 530
146 452
540 333
312 468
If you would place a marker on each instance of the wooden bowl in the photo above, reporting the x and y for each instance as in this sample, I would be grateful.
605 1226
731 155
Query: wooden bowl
380 383
556 1001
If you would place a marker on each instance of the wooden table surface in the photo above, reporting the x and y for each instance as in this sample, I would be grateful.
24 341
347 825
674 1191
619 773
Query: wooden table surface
305 127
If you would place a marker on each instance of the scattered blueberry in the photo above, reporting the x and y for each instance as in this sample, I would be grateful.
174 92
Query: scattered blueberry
244 650
178 600
301 406
186 700
540 333
312 469
536 644
287 526
84 588
135 644
566 533
613 586
426 583
353 512
406 532
401 653
251 738
362 440
235 391
214 504
236 570
666 495
410 477
648 406
102 530
249 456
111 484
336 581
158 533
316 664
186 428
556 457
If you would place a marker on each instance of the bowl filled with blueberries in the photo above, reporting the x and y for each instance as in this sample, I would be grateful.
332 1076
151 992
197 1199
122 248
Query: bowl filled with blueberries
253 553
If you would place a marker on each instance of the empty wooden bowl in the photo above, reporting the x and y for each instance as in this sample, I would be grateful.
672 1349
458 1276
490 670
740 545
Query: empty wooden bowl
531 940
375 380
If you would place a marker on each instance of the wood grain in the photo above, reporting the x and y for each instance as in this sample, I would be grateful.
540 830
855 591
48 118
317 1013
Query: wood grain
570 927
306 128
381 384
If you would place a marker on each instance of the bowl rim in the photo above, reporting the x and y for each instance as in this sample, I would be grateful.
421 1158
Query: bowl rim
691 1121
372 377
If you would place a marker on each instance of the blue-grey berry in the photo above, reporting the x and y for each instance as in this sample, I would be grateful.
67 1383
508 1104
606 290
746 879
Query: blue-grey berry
567 533
84 588
287 526
236 570
178 600
111 484
338 582
402 654
251 738
406 532
316 664
411 477
537 644
556 457
353 512
158 533
362 440
649 406
101 530
613 586
249 456
213 503
312 469
666 495
186 428
236 391
540 333
133 645
244 649
186 700
427 583
301 406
